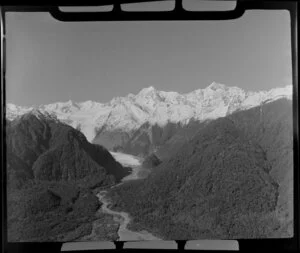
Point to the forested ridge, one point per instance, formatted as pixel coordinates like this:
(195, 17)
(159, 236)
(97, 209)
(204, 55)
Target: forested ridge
(232, 180)
(51, 172)
(151, 161)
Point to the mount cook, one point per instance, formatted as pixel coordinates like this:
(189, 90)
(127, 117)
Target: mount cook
(140, 123)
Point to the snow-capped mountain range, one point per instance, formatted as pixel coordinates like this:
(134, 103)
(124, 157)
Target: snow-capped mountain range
(155, 107)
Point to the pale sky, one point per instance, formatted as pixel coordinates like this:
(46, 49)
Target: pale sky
(50, 61)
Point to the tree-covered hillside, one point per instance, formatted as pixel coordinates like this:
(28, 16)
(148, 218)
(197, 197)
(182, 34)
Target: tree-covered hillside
(51, 171)
(151, 161)
(232, 180)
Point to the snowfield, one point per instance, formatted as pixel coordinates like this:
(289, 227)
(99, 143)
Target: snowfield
(129, 113)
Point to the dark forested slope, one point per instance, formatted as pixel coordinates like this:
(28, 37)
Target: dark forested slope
(271, 126)
(232, 180)
(151, 161)
(51, 171)
(52, 150)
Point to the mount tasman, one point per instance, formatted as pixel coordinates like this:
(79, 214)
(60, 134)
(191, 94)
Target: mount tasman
(142, 123)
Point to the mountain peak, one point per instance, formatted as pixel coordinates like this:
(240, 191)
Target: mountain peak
(88, 104)
(70, 103)
(147, 90)
(155, 107)
(216, 86)
(36, 112)
(42, 115)
(150, 88)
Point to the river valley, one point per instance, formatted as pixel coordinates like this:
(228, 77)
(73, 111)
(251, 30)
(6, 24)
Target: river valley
(120, 217)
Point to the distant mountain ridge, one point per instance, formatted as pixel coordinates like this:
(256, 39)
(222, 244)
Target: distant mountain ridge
(127, 122)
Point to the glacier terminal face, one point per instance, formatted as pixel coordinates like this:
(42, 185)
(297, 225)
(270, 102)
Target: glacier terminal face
(153, 107)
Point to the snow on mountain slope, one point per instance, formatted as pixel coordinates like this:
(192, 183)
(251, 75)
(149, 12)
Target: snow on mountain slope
(125, 159)
(154, 107)
(13, 111)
